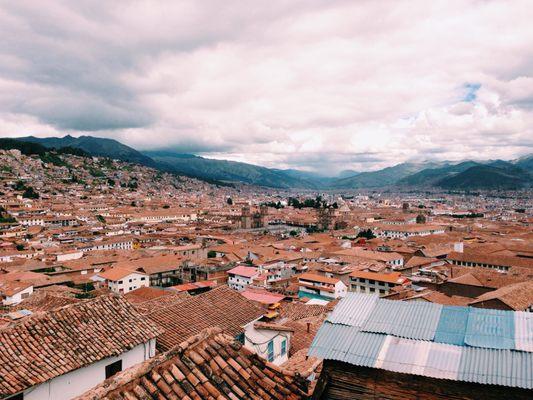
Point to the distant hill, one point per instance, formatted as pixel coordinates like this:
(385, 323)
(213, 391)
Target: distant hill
(526, 163)
(430, 176)
(499, 175)
(384, 177)
(223, 170)
(95, 146)
(347, 173)
(448, 175)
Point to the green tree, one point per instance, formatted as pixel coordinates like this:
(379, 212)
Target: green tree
(367, 234)
(29, 193)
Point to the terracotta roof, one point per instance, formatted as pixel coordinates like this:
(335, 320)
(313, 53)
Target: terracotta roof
(518, 296)
(262, 295)
(393, 277)
(220, 306)
(115, 274)
(241, 270)
(210, 365)
(12, 288)
(416, 261)
(146, 293)
(317, 278)
(149, 306)
(492, 259)
(45, 301)
(297, 310)
(47, 345)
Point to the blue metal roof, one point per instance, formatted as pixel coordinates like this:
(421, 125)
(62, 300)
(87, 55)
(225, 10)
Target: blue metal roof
(452, 325)
(346, 343)
(490, 328)
(459, 343)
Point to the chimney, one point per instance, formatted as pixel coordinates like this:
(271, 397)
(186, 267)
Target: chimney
(458, 247)
(308, 327)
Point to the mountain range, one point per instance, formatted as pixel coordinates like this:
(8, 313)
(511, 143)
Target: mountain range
(466, 175)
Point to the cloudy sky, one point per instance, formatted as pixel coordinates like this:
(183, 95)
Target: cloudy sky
(318, 85)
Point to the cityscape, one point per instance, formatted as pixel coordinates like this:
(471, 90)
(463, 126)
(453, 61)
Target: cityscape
(237, 201)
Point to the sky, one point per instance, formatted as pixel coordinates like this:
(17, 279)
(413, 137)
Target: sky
(319, 85)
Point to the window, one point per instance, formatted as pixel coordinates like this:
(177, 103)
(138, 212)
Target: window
(284, 347)
(131, 280)
(113, 369)
(120, 282)
(270, 350)
(143, 278)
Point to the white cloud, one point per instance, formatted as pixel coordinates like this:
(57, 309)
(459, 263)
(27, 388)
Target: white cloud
(326, 85)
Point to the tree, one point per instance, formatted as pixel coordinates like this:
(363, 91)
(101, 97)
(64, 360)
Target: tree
(211, 254)
(367, 234)
(29, 193)
(420, 219)
(20, 247)
(229, 201)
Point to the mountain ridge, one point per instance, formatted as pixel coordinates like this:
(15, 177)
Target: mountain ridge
(492, 174)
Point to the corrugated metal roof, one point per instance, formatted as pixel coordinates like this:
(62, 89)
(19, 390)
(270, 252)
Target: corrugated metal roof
(443, 361)
(490, 329)
(353, 309)
(496, 367)
(452, 325)
(346, 343)
(523, 331)
(469, 344)
(414, 320)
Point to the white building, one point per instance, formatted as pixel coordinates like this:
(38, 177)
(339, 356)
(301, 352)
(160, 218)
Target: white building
(121, 280)
(374, 282)
(13, 293)
(241, 277)
(320, 285)
(269, 341)
(92, 341)
(406, 231)
(113, 244)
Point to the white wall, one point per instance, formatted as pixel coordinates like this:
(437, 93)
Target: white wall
(238, 282)
(70, 256)
(77, 382)
(261, 337)
(18, 297)
(126, 286)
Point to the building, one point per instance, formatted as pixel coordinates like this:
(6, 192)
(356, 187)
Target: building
(112, 244)
(269, 341)
(392, 259)
(240, 277)
(491, 261)
(121, 280)
(377, 348)
(67, 351)
(209, 365)
(514, 297)
(321, 286)
(221, 306)
(375, 282)
(12, 293)
(407, 231)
